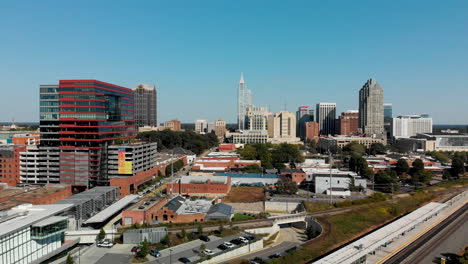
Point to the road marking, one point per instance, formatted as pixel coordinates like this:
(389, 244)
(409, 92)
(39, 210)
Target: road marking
(418, 235)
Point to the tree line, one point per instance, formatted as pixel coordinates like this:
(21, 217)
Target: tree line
(168, 139)
(272, 155)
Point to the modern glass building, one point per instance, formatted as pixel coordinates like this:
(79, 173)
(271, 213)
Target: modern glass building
(33, 233)
(145, 100)
(371, 110)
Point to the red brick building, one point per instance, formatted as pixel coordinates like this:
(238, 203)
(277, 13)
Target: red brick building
(348, 123)
(34, 195)
(9, 164)
(312, 130)
(26, 139)
(227, 163)
(174, 125)
(227, 147)
(296, 175)
(209, 186)
(144, 211)
(181, 210)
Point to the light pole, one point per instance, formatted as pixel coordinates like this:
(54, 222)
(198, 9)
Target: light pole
(170, 256)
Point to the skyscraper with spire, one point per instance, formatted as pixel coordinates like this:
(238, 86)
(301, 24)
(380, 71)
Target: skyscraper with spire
(244, 100)
(371, 108)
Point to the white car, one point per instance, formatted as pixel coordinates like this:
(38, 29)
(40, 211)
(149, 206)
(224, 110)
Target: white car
(208, 252)
(228, 244)
(243, 240)
(105, 243)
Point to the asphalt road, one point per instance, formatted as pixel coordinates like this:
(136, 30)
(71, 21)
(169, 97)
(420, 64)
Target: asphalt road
(265, 253)
(191, 253)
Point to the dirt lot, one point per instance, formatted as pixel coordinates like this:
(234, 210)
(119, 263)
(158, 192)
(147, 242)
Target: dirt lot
(245, 195)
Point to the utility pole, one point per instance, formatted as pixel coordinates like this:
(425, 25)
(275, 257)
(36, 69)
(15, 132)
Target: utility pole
(172, 170)
(331, 162)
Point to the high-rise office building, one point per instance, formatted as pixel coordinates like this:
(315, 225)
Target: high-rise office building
(201, 126)
(256, 118)
(371, 110)
(348, 123)
(282, 125)
(78, 119)
(410, 125)
(244, 100)
(220, 127)
(325, 116)
(145, 100)
(303, 115)
(388, 111)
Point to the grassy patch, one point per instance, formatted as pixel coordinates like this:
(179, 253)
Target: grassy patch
(312, 207)
(242, 217)
(245, 195)
(139, 260)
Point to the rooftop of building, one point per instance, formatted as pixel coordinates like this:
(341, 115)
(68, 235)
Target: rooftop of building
(27, 214)
(291, 171)
(180, 151)
(137, 206)
(87, 195)
(247, 175)
(221, 208)
(132, 144)
(112, 209)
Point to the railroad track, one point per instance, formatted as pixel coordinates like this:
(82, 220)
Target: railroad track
(426, 241)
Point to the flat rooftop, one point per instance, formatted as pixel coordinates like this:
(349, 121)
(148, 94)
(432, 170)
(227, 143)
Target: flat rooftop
(112, 209)
(204, 179)
(87, 195)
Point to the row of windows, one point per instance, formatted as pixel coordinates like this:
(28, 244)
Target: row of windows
(49, 109)
(49, 96)
(84, 116)
(48, 90)
(49, 103)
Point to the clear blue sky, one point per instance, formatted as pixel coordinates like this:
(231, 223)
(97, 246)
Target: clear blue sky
(291, 52)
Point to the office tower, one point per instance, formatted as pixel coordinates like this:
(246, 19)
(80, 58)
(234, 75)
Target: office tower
(145, 100)
(325, 116)
(303, 115)
(75, 133)
(312, 130)
(256, 118)
(210, 127)
(244, 100)
(201, 126)
(410, 125)
(220, 127)
(282, 125)
(388, 111)
(371, 110)
(174, 125)
(348, 123)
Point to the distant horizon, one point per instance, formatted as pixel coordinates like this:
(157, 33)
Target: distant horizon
(37, 123)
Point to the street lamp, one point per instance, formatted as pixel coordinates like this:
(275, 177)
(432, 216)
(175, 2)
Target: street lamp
(170, 256)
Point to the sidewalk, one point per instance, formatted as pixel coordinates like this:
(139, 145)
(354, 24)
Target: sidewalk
(385, 253)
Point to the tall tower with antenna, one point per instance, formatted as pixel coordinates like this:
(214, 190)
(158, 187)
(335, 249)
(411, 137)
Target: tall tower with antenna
(244, 100)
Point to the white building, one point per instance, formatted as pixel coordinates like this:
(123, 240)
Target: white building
(201, 126)
(340, 183)
(410, 125)
(325, 116)
(33, 233)
(256, 118)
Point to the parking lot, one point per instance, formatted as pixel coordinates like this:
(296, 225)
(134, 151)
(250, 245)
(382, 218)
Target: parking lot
(190, 249)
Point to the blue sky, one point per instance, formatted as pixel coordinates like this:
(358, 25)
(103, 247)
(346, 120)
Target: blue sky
(292, 53)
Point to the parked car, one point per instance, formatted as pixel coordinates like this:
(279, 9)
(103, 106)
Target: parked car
(276, 255)
(147, 203)
(153, 199)
(135, 249)
(228, 244)
(204, 238)
(222, 247)
(105, 243)
(236, 241)
(257, 260)
(184, 260)
(243, 240)
(155, 253)
(208, 252)
(141, 207)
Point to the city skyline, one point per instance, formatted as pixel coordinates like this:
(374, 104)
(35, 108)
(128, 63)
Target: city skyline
(303, 60)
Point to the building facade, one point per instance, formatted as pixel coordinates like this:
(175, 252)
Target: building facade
(312, 131)
(410, 125)
(10, 164)
(371, 109)
(201, 126)
(341, 141)
(256, 118)
(208, 186)
(303, 115)
(325, 116)
(145, 104)
(282, 125)
(248, 137)
(78, 119)
(348, 123)
(220, 128)
(174, 125)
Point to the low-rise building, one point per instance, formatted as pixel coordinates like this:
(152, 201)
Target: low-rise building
(341, 141)
(208, 186)
(143, 212)
(247, 137)
(26, 139)
(296, 175)
(33, 233)
(220, 211)
(10, 164)
(340, 183)
(181, 210)
(174, 125)
(35, 195)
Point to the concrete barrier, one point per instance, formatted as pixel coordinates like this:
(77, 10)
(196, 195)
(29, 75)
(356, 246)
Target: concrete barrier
(235, 252)
(255, 208)
(265, 230)
(89, 236)
(283, 207)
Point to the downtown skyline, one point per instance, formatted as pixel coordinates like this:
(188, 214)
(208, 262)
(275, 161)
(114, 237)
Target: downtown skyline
(192, 53)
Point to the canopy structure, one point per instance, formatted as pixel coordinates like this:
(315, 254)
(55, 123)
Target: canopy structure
(112, 209)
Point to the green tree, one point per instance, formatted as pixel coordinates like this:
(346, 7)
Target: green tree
(144, 250)
(423, 176)
(401, 166)
(286, 186)
(166, 240)
(354, 148)
(457, 168)
(418, 165)
(439, 156)
(311, 232)
(385, 182)
(183, 234)
(70, 260)
(202, 247)
(446, 175)
(221, 228)
(377, 148)
(249, 152)
(102, 234)
(200, 229)
(254, 168)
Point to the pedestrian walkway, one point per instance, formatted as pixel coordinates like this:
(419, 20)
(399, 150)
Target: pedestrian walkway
(386, 252)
